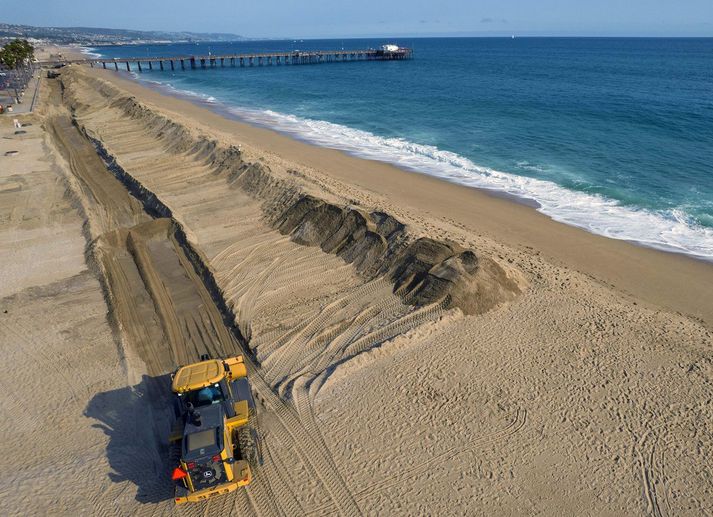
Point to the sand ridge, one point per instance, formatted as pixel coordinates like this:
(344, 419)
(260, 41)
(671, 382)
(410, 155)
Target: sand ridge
(137, 264)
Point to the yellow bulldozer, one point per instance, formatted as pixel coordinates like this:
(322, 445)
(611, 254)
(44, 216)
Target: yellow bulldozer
(215, 447)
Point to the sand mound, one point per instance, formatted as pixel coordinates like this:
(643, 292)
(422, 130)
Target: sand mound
(423, 271)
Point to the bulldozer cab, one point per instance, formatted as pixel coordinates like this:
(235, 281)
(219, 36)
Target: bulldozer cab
(212, 382)
(213, 394)
(217, 443)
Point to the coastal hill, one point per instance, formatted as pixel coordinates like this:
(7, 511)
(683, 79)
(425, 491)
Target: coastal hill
(101, 36)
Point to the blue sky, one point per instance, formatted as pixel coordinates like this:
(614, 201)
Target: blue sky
(353, 18)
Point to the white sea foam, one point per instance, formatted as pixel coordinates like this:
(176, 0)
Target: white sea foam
(670, 231)
(525, 165)
(179, 92)
(90, 52)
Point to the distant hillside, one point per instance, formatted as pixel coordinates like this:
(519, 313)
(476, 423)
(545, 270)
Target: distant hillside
(99, 36)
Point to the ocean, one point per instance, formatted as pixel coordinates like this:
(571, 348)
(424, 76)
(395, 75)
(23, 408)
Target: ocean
(613, 135)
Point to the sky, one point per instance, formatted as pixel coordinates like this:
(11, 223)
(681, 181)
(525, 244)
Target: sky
(377, 18)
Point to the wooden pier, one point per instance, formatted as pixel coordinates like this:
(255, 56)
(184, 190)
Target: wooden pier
(311, 57)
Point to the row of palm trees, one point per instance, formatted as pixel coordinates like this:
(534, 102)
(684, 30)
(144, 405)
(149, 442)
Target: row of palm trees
(16, 67)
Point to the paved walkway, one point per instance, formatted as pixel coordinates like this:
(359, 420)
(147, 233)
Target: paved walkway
(28, 100)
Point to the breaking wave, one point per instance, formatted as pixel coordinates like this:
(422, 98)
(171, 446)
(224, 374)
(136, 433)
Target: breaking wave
(90, 52)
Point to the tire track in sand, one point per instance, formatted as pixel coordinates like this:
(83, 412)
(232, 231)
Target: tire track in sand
(314, 454)
(652, 473)
(672, 435)
(287, 350)
(274, 469)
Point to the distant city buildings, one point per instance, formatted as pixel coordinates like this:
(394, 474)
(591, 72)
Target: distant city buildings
(97, 36)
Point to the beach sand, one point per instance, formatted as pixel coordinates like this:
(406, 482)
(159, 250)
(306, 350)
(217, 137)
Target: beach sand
(416, 347)
(50, 52)
(58, 349)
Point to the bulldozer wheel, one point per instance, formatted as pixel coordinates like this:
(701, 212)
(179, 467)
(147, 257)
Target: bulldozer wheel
(177, 411)
(174, 454)
(248, 445)
(258, 446)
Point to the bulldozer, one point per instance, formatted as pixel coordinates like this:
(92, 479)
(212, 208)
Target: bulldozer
(214, 444)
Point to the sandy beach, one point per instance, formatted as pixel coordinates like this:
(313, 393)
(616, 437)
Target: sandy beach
(49, 52)
(416, 347)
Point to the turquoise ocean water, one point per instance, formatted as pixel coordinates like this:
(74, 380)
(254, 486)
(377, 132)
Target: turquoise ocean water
(611, 135)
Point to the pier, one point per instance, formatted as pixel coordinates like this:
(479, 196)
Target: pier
(173, 63)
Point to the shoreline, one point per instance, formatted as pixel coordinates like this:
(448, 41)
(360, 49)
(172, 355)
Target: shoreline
(638, 222)
(224, 111)
(672, 281)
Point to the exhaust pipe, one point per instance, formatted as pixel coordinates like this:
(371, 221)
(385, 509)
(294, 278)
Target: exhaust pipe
(193, 416)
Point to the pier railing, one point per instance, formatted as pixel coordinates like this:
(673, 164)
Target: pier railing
(242, 60)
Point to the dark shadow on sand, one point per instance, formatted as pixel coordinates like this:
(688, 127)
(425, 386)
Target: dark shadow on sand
(137, 422)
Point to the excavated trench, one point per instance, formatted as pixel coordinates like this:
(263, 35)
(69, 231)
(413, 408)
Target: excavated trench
(158, 294)
(153, 276)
